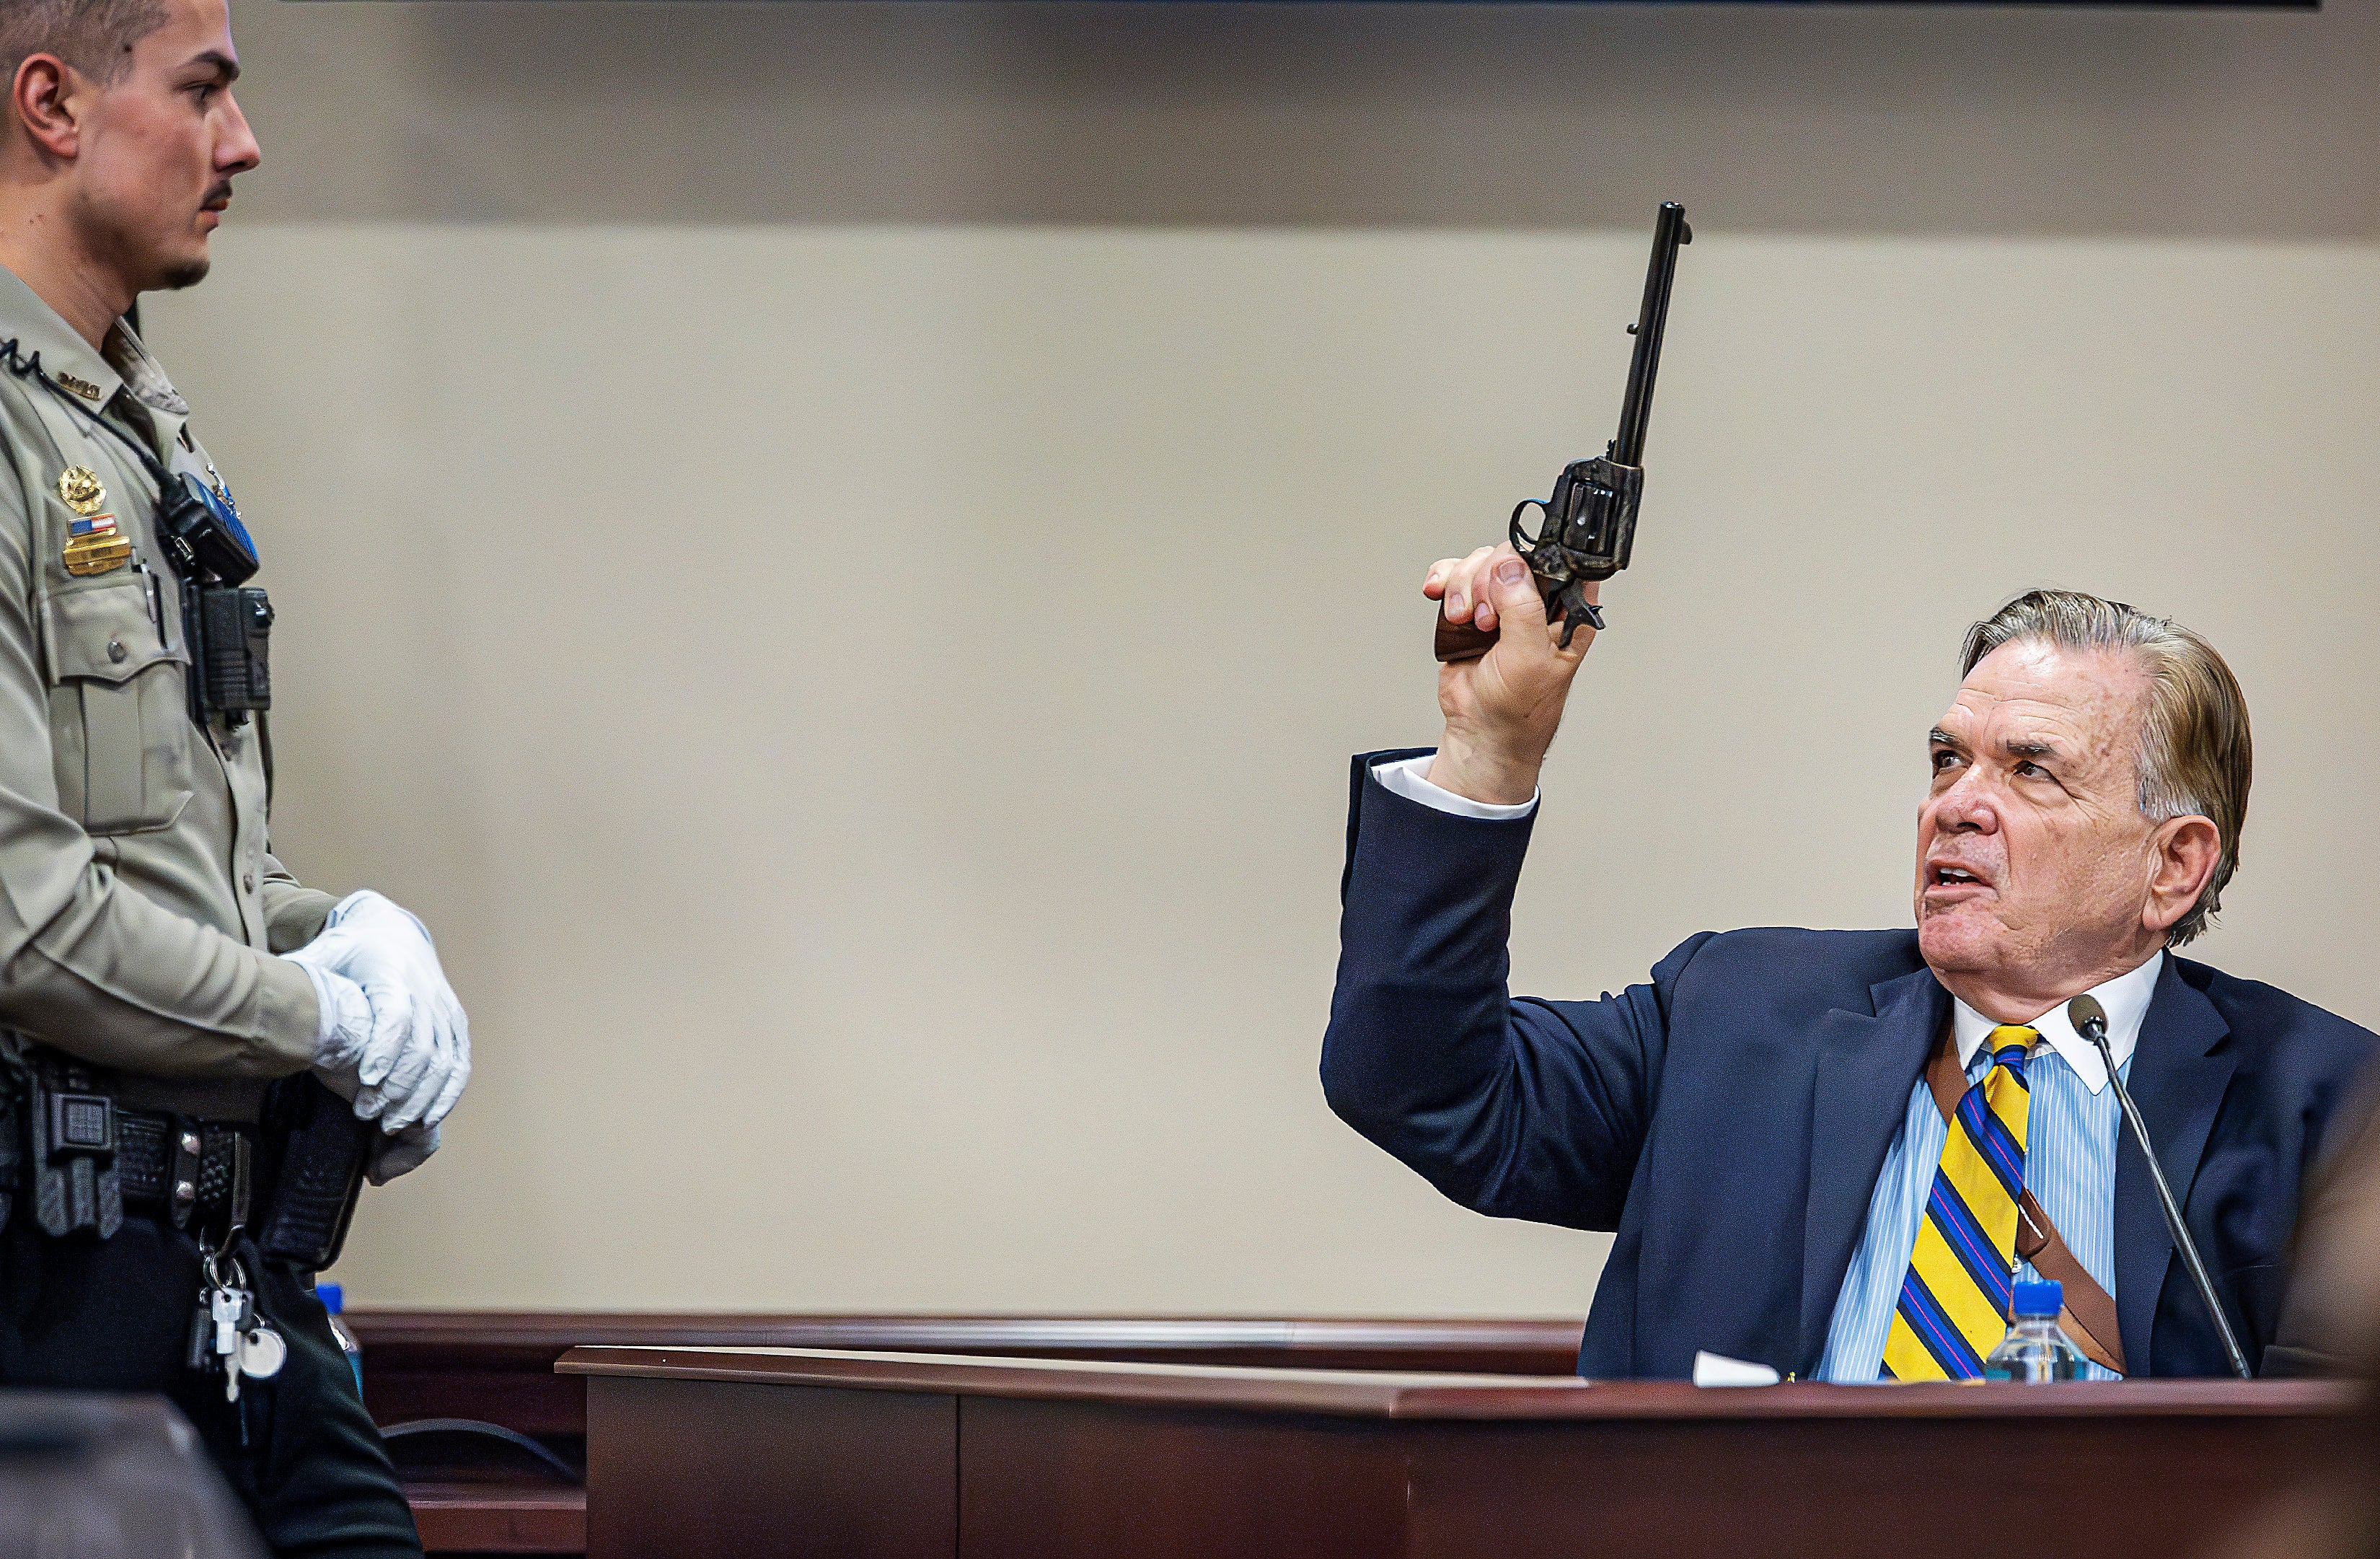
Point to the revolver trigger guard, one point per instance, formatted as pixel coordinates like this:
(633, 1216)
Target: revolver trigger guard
(1522, 543)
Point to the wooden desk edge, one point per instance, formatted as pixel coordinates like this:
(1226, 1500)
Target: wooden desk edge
(499, 1518)
(398, 1338)
(445, 1332)
(1366, 1394)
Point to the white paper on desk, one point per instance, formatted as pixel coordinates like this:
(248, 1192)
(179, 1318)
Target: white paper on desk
(1717, 1369)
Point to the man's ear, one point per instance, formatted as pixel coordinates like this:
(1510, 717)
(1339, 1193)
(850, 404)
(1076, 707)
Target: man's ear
(46, 96)
(2185, 852)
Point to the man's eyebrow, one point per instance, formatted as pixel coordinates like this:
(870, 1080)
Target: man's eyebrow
(1938, 737)
(2031, 748)
(226, 69)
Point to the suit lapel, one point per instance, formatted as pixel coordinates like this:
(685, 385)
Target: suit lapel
(1866, 1067)
(2179, 1072)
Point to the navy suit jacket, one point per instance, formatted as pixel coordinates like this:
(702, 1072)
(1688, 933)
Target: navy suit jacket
(1729, 1119)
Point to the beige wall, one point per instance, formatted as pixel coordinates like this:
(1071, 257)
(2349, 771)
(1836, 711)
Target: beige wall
(837, 556)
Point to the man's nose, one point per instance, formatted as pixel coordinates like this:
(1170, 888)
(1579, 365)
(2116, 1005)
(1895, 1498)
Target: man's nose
(1966, 807)
(237, 150)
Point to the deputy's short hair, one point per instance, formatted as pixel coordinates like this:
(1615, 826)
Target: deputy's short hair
(94, 36)
(2195, 758)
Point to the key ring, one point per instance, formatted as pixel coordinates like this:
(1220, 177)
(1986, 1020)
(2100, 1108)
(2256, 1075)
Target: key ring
(212, 1264)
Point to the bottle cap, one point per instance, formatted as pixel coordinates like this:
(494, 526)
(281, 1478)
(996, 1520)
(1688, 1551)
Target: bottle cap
(334, 1297)
(2039, 1298)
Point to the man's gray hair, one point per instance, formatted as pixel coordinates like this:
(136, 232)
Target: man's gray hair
(94, 36)
(2195, 758)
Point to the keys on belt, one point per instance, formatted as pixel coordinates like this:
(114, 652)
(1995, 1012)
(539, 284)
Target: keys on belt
(227, 1335)
(82, 1158)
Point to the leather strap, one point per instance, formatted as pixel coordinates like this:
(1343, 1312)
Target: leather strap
(2090, 1313)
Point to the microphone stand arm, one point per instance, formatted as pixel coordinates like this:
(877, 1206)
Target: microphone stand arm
(2097, 1034)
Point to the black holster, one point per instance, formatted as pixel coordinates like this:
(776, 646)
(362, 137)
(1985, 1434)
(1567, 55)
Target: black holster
(315, 1151)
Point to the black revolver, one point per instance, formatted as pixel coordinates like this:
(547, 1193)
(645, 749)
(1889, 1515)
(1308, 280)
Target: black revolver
(1590, 520)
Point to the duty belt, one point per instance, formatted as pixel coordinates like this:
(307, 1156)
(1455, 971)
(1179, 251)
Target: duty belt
(71, 1159)
(79, 1159)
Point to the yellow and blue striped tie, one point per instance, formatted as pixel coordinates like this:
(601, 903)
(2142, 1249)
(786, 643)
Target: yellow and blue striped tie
(1955, 1301)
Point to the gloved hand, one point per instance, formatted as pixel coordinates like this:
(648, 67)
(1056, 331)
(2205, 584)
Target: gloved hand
(401, 1152)
(346, 1031)
(395, 1040)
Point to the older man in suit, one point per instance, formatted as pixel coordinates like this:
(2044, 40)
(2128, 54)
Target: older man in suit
(1834, 1153)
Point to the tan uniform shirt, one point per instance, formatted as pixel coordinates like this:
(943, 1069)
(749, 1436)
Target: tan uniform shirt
(139, 909)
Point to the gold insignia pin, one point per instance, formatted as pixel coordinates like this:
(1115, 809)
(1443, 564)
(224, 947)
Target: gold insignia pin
(78, 485)
(83, 388)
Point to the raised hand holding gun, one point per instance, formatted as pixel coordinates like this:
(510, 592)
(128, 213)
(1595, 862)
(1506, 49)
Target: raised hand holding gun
(1501, 708)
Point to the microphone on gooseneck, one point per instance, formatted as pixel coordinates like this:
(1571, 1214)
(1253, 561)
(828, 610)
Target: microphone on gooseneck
(2090, 1020)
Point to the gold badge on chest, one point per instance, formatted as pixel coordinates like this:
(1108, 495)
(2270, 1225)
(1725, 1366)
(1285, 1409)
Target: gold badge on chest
(94, 544)
(78, 486)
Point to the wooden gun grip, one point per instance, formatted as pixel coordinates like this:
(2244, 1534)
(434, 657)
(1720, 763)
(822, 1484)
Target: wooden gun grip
(1461, 641)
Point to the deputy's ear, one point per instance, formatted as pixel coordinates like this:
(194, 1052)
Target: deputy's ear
(46, 94)
(2187, 850)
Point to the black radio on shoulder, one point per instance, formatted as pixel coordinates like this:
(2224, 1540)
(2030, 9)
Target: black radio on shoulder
(226, 623)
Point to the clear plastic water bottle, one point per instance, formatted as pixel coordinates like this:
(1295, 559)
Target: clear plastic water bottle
(2036, 1348)
(335, 1299)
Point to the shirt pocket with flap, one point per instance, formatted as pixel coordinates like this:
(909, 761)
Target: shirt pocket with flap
(120, 727)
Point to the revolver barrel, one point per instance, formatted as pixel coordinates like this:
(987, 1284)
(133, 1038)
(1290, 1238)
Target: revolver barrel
(1669, 231)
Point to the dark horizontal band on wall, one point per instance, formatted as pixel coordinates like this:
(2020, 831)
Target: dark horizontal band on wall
(1852, 120)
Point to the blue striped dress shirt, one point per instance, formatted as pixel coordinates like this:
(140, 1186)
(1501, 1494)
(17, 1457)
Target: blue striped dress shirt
(2070, 1166)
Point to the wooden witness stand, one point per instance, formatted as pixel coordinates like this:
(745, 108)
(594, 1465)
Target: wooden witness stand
(498, 1367)
(984, 1436)
(705, 1452)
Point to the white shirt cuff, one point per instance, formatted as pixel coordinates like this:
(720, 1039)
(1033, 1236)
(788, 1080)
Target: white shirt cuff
(1406, 777)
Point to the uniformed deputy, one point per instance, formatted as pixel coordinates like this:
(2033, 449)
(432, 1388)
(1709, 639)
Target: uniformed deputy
(158, 970)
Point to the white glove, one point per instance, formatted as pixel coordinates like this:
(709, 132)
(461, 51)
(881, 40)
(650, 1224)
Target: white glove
(401, 1152)
(347, 1031)
(393, 1038)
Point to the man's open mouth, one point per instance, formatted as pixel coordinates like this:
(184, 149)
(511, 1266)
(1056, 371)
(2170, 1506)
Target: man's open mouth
(1941, 876)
